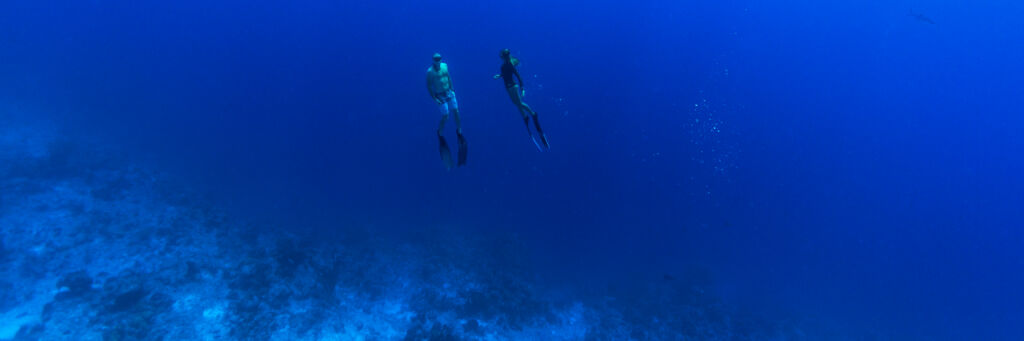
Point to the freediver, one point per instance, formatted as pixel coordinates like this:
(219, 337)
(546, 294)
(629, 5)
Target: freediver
(439, 85)
(516, 91)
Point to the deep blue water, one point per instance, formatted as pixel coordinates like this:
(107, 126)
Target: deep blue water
(842, 160)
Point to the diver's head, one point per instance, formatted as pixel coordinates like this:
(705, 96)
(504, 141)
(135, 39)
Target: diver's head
(437, 59)
(506, 54)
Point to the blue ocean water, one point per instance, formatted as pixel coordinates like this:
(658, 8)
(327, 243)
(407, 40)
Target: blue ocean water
(754, 170)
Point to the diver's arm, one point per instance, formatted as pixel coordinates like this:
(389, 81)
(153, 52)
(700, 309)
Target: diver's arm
(448, 73)
(430, 88)
(522, 86)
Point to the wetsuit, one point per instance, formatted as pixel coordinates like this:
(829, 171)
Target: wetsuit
(507, 72)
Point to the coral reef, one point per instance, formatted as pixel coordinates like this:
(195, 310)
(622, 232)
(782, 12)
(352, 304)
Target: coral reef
(95, 248)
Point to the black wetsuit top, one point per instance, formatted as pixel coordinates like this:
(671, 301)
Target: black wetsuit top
(507, 72)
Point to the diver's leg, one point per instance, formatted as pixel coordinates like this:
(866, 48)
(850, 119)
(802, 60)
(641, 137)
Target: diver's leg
(458, 122)
(458, 133)
(463, 145)
(527, 113)
(526, 122)
(444, 117)
(446, 154)
(454, 107)
(526, 107)
(536, 122)
(518, 100)
(513, 94)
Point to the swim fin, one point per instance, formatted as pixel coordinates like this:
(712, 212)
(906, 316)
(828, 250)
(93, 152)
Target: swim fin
(535, 143)
(543, 137)
(446, 153)
(463, 145)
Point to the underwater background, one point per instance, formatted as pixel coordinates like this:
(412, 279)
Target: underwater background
(727, 170)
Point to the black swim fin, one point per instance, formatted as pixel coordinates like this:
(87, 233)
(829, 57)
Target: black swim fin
(446, 153)
(535, 144)
(543, 137)
(463, 145)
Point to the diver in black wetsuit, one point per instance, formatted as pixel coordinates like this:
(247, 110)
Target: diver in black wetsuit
(516, 93)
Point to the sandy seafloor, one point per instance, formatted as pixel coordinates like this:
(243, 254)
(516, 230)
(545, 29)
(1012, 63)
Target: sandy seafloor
(97, 248)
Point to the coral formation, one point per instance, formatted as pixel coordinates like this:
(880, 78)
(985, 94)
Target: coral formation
(95, 248)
